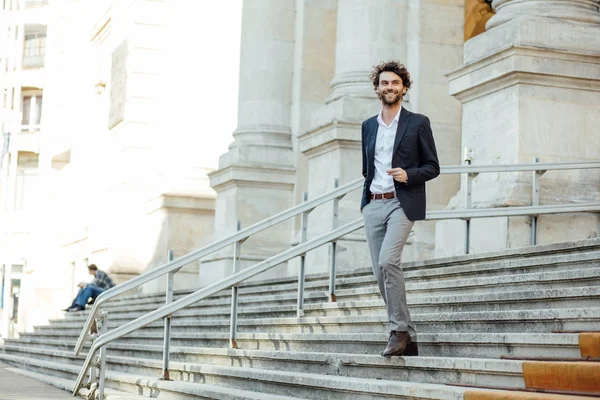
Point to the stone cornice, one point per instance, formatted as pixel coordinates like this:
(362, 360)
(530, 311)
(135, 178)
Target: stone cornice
(568, 10)
(256, 176)
(182, 202)
(336, 134)
(535, 32)
(515, 65)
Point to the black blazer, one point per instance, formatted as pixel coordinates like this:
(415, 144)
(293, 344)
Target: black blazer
(414, 151)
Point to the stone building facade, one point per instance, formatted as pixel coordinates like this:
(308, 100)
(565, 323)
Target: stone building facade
(114, 173)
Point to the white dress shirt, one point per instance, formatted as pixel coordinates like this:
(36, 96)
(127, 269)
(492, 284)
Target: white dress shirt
(384, 147)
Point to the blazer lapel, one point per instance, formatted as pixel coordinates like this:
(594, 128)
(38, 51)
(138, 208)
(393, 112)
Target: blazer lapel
(402, 125)
(372, 135)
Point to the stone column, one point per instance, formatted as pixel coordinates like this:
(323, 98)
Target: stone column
(255, 178)
(530, 87)
(367, 33)
(435, 38)
(314, 67)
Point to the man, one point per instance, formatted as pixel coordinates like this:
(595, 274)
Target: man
(100, 283)
(399, 156)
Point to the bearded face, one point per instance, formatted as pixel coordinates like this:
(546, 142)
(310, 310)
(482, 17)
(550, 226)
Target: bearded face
(391, 97)
(390, 89)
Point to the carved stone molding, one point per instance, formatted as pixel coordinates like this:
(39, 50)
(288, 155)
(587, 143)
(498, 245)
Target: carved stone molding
(571, 10)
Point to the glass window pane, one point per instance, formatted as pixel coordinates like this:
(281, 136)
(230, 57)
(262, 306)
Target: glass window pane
(26, 110)
(38, 112)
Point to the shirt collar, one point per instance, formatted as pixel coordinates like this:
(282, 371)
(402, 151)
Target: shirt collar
(396, 118)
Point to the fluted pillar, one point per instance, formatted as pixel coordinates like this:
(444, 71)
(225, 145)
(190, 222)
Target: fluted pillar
(266, 66)
(367, 33)
(255, 178)
(530, 87)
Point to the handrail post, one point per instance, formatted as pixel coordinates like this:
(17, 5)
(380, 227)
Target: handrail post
(237, 249)
(102, 356)
(468, 158)
(469, 203)
(535, 201)
(167, 333)
(334, 225)
(302, 270)
(92, 378)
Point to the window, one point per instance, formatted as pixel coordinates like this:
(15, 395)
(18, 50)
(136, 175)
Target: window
(27, 185)
(34, 50)
(32, 112)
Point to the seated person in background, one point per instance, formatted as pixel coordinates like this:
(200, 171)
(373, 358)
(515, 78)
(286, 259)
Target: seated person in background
(100, 283)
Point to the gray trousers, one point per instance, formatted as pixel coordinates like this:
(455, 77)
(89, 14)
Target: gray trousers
(387, 229)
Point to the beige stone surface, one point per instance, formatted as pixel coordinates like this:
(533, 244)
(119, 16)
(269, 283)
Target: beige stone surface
(529, 88)
(89, 199)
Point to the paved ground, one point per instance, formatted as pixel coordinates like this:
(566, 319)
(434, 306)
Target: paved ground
(14, 386)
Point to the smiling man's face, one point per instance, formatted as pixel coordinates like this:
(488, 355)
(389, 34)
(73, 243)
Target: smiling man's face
(390, 89)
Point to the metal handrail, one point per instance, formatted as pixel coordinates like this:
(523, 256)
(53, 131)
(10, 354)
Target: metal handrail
(512, 211)
(212, 289)
(207, 250)
(332, 235)
(292, 212)
(471, 169)
(278, 259)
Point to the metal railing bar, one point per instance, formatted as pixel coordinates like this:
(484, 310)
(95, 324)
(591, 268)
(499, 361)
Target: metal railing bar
(292, 212)
(212, 289)
(461, 169)
(512, 211)
(306, 207)
(301, 249)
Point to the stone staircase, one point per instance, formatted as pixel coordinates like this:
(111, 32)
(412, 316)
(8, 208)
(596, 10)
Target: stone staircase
(479, 318)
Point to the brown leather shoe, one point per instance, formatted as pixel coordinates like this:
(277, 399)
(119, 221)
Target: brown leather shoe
(397, 344)
(412, 350)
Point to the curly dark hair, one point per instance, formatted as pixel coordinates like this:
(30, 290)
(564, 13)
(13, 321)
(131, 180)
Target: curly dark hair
(390, 66)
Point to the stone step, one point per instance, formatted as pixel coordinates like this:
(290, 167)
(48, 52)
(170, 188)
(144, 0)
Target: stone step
(562, 298)
(410, 369)
(515, 266)
(176, 390)
(481, 345)
(541, 280)
(267, 383)
(589, 277)
(529, 321)
(137, 386)
(142, 307)
(471, 371)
